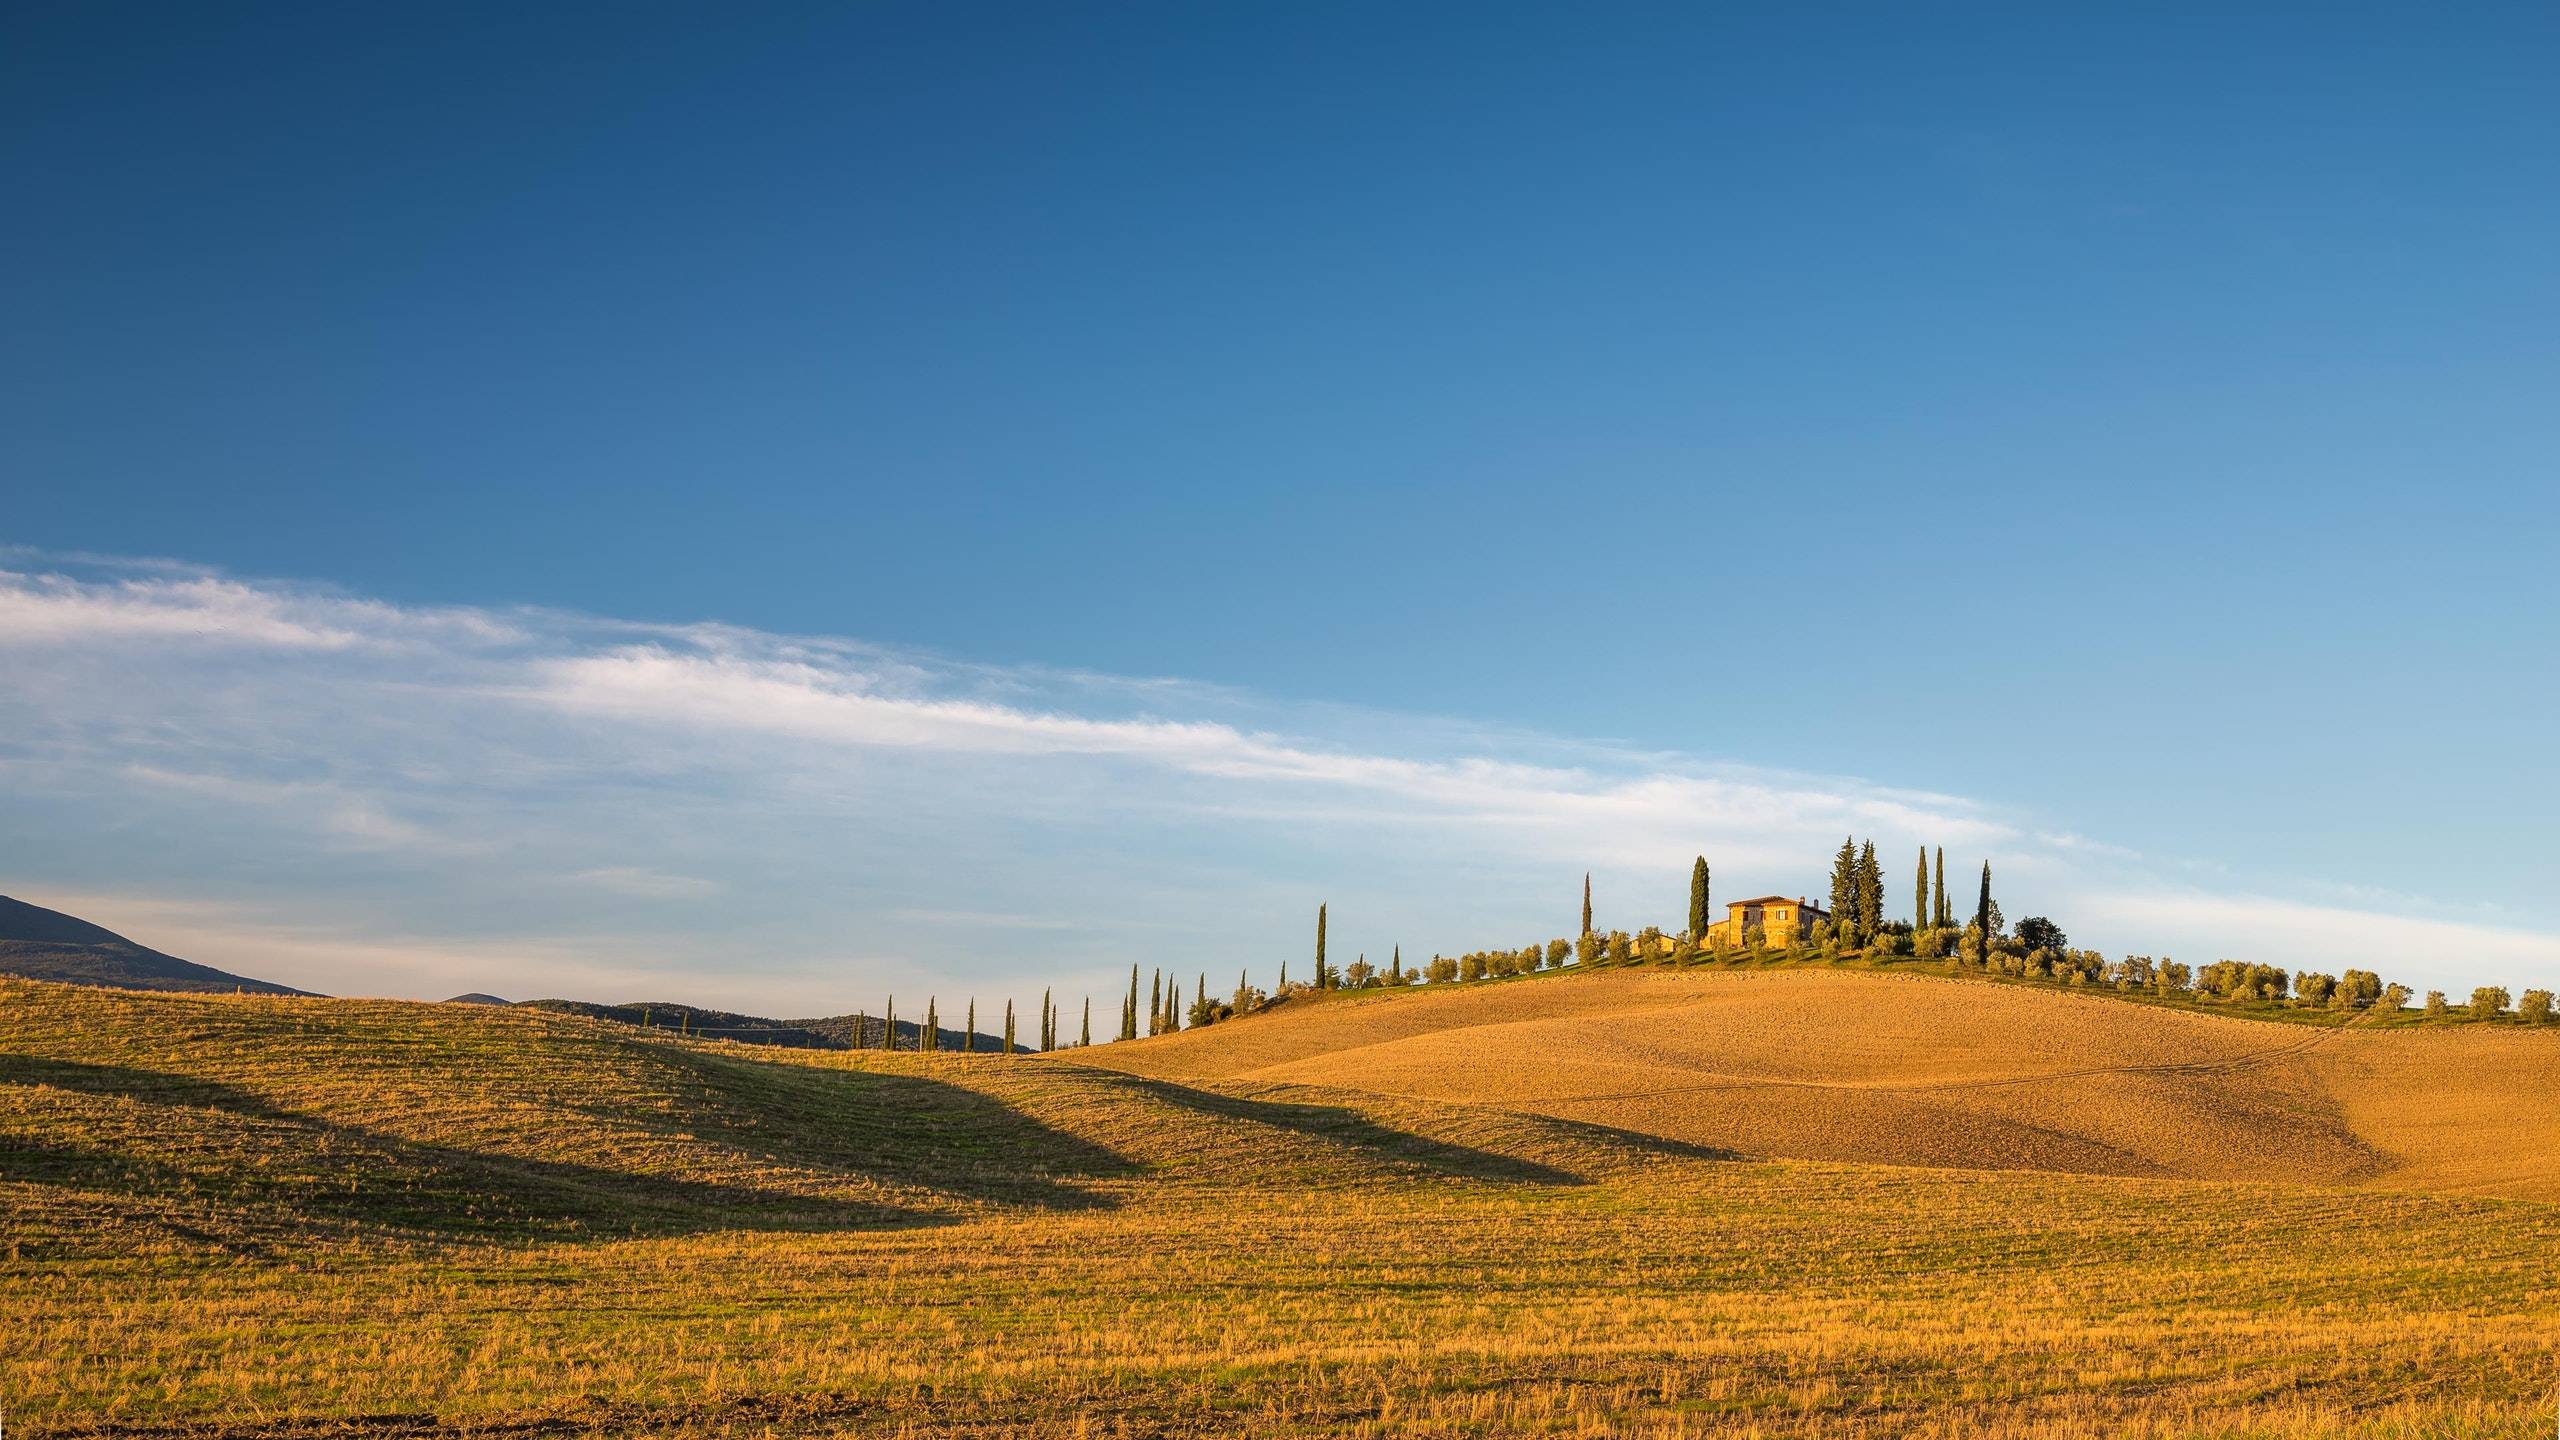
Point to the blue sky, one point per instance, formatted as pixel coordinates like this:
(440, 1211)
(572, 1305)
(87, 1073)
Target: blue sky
(2133, 428)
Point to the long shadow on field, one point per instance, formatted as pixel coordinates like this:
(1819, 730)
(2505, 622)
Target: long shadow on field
(197, 1152)
(1346, 1127)
(900, 1128)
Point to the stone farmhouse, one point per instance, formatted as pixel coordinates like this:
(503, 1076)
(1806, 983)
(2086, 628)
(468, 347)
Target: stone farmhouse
(1780, 920)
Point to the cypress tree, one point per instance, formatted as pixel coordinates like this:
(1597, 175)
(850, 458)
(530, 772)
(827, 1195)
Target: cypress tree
(1129, 1010)
(889, 1025)
(930, 1040)
(969, 1029)
(861, 1029)
(1088, 1022)
(1939, 915)
(1048, 1025)
(1586, 902)
(1323, 978)
(1844, 884)
(1155, 1006)
(1008, 1027)
(1982, 909)
(1920, 894)
(1395, 965)
(1870, 893)
(1698, 899)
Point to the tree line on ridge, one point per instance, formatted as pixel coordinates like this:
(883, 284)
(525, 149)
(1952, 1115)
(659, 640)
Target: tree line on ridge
(2036, 949)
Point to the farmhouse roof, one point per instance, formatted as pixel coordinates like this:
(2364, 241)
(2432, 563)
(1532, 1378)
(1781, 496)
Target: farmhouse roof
(1776, 900)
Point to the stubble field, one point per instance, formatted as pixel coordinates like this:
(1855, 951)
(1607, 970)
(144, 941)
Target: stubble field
(283, 1217)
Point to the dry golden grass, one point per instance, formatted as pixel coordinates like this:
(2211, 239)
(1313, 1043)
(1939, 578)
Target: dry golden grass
(1928, 1070)
(320, 1218)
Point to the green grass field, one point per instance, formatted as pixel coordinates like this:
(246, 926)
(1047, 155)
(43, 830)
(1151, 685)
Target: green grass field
(302, 1217)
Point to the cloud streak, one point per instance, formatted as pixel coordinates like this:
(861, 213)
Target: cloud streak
(38, 610)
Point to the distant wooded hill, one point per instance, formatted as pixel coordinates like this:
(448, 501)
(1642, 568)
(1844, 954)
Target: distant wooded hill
(827, 1032)
(41, 944)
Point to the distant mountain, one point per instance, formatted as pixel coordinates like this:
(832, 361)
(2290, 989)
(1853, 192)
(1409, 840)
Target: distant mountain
(41, 944)
(476, 997)
(830, 1032)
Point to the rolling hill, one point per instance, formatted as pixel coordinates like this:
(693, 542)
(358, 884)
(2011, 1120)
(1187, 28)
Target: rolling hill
(254, 1119)
(41, 944)
(1505, 1209)
(1926, 1070)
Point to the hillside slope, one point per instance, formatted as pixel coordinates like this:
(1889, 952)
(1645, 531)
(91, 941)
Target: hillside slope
(294, 1219)
(41, 944)
(1925, 1070)
(137, 1122)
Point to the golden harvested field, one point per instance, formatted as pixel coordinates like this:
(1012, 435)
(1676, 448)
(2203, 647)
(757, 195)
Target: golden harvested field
(1920, 1069)
(297, 1218)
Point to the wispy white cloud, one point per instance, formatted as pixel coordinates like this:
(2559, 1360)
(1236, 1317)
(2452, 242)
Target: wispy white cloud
(645, 884)
(457, 784)
(982, 920)
(324, 807)
(53, 609)
(805, 700)
(2415, 948)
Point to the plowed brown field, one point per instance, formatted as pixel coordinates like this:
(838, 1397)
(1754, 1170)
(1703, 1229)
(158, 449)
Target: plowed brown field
(1927, 1070)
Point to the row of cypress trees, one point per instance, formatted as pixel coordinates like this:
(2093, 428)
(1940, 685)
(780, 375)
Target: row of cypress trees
(928, 1036)
(1857, 891)
(1166, 1014)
